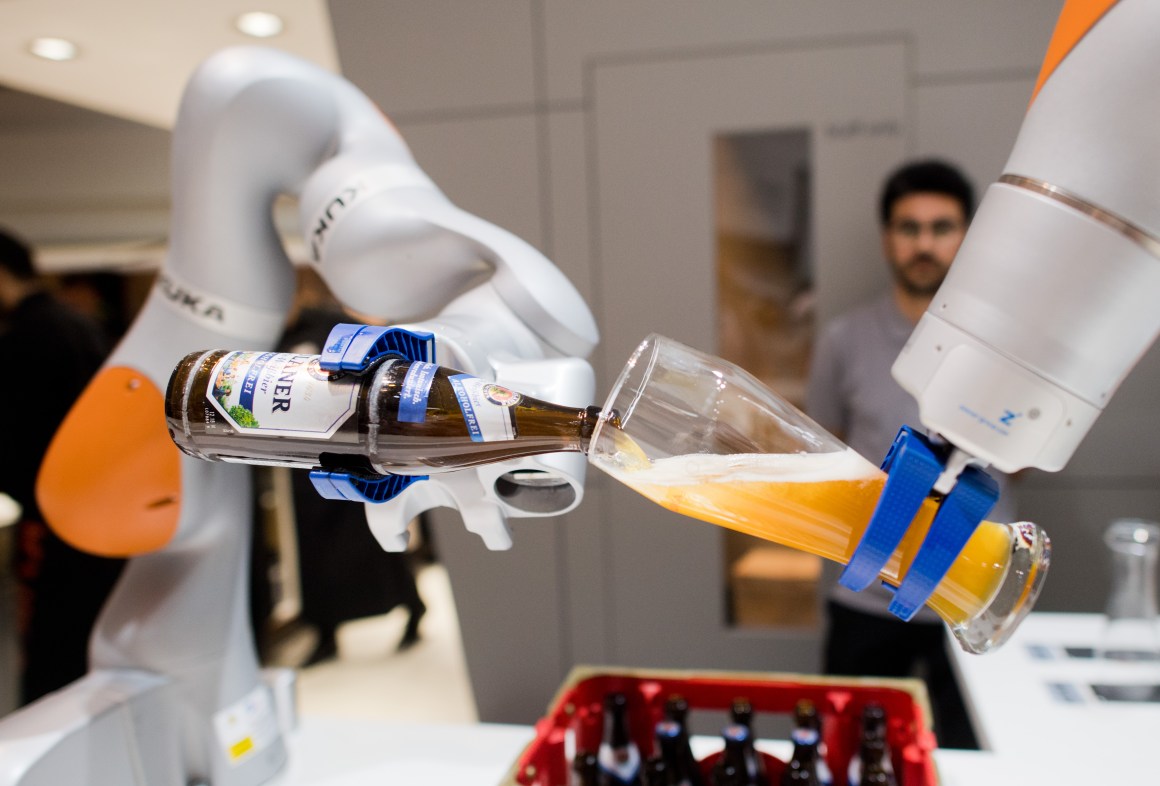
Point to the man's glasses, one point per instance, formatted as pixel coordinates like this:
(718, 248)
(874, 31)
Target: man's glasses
(940, 229)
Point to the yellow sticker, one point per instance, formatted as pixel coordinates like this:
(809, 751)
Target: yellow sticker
(241, 748)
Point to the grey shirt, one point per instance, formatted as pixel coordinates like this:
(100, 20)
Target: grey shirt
(852, 393)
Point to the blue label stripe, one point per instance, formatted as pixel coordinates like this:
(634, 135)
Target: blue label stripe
(416, 390)
(250, 383)
(466, 407)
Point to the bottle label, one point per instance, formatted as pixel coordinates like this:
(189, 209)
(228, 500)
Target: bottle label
(281, 394)
(416, 390)
(621, 765)
(802, 736)
(487, 408)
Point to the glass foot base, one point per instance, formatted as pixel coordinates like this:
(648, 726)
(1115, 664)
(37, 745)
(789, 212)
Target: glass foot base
(1030, 558)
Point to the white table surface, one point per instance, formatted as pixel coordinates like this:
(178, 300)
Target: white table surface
(1023, 720)
(350, 752)
(1029, 734)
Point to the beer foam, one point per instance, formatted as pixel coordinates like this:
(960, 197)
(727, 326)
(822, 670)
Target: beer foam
(749, 468)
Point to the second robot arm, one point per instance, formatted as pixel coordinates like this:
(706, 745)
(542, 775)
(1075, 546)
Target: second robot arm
(1052, 298)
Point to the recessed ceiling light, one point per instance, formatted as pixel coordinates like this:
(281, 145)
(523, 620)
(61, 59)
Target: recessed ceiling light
(259, 24)
(53, 48)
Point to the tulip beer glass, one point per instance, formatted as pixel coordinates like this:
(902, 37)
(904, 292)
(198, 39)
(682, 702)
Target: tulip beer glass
(706, 439)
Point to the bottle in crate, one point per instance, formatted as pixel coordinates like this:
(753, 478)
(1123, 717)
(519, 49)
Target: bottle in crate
(680, 768)
(656, 772)
(677, 711)
(872, 764)
(805, 714)
(619, 757)
(733, 768)
(802, 768)
(585, 769)
(741, 712)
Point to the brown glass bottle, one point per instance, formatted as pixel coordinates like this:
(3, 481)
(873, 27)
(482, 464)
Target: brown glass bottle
(872, 764)
(873, 769)
(619, 756)
(733, 767)
(741, 712)
(677, 711)
(399, 417)
(585, 769)
(802, 768)
(805, 714)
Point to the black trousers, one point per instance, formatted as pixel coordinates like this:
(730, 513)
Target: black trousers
(860, 644)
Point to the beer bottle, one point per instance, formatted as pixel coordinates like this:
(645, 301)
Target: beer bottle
(681, 769)
(619, 756)
(805, 714)
(677, 711)
(741, 712)
(873, 769)
(656, 772)
(872, 764)
(585, 769)
(732, 769)
(802, 767)
(399, 417)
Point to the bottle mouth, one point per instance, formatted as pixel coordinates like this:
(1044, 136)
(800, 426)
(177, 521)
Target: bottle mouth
(1030, 558)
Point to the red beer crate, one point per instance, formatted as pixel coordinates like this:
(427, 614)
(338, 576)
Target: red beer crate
(575, 720)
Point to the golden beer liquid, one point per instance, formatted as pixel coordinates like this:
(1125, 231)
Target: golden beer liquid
(820, 503)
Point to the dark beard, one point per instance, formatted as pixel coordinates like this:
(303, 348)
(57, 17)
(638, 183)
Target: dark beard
(916, 288)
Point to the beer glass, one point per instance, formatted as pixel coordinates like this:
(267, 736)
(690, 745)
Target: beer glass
(704, 438)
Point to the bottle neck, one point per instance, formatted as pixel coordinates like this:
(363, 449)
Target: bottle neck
(588, 423)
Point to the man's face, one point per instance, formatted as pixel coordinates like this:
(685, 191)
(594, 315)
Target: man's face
(921, 239)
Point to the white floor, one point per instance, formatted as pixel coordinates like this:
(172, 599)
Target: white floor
(427, 683)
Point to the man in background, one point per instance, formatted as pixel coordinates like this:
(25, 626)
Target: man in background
(50, 352)
(924, 210)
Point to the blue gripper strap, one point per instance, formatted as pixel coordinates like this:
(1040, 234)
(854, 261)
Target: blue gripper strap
(353, 487)
(958, 516)
(913, 469)
(356, 347)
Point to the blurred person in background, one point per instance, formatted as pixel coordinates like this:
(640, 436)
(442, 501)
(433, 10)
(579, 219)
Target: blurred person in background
(924, 209)
(51, 352)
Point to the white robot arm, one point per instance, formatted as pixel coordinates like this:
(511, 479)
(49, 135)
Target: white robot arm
(174, 695)
(389, 243)
(1052, 298)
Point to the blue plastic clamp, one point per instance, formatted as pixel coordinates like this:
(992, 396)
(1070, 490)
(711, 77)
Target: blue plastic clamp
(913, 465)
(353, 487)
(958, 516)
(356, 347)
(912, 468)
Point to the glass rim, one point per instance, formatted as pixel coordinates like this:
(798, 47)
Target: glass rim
(649, 343)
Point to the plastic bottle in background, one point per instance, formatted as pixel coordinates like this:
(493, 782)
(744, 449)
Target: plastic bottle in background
(1132, 628)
